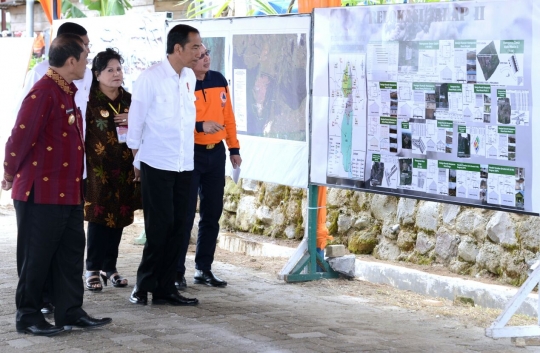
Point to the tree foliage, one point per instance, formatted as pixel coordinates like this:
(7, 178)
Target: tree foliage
(104, 7)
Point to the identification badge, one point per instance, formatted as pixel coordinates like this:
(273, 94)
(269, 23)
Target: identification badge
(122, 133)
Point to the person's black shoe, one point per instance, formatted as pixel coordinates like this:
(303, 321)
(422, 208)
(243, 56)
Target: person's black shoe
(42, 328)
(180, 282)
(138, 297)
(208, 278)
(47, 309)
(88, 322)
(173, 299)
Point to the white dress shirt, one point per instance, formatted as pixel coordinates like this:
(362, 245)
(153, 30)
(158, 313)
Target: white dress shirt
(162, 118)
(81, 96)
(83, 87)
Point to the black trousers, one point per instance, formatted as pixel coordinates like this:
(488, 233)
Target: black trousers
(165, 200)
(208, 183)
(102, 244)
(50, 241)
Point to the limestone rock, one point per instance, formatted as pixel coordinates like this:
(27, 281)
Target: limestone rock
(479, 226)
(424, 243)
(344, 223)
(384, 207)
(500, 229)
(274, 194)
(297, 192)
(343, 264)
(230, 205)
(459, 267)
(336, 197)
(467, 250)
(389, 232)
(406, 240)
(276, 231)
(471, 222)
(227, 221)
(386, 250)
(528, 233)
(336, 250)
(405, 211)
(231, 188)
(278, 217)
(362, 242)
(446, 245)
(427, 216)
(361, 200)
(529, 257)
(363, 221)
(264, 214)
(466, 221)
(245, 213)
(290, 231)
(250, 186)
(513, 264)
(449, 213)
(293, 210)
(489, 257)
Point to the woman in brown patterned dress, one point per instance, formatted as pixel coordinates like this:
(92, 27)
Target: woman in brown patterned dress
(111, 194)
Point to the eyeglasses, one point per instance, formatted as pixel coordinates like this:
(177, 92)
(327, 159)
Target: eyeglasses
(206, 53)
(88, 46)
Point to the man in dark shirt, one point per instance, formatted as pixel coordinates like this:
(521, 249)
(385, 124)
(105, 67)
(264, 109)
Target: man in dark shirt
(44, 165)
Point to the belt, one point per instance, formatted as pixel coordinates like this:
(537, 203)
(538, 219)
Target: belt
(210, 146)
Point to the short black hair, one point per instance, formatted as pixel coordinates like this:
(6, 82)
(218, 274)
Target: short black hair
(71, 28)
(63, 47)
(101, 60)
(179, 34)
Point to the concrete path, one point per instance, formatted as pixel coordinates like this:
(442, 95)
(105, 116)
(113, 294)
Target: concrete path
(255, 313)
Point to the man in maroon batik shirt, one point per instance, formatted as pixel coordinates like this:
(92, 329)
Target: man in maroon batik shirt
(44, 165)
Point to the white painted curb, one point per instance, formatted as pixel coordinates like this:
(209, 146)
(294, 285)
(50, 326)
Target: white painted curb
(484, 295)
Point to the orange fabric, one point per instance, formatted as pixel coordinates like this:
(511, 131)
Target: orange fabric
(322, 231)
(39, 43)
(215, 104)
(48, 9)
(306, 6)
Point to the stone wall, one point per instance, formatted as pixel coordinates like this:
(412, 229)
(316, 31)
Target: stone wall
(468, 241)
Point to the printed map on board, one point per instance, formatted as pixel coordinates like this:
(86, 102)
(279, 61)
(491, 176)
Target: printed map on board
(346, 126)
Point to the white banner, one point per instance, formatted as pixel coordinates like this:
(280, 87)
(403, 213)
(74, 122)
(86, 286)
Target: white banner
(140, 39)
(266, 61)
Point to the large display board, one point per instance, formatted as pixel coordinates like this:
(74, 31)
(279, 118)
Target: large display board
(430, 101)
(266, 61)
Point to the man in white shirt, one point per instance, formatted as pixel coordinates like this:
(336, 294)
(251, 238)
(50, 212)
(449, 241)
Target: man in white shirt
(161, 125)
(81, 100)
(37, 72)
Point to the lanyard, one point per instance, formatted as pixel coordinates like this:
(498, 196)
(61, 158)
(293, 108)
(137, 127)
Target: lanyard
(114, 110)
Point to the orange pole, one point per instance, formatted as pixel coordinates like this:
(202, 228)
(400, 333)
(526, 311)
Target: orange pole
(307, 6)
(322, 231)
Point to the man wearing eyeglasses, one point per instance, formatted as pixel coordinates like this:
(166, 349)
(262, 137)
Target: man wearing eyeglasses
(215, 122)
(81, 100)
